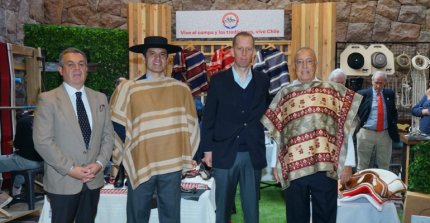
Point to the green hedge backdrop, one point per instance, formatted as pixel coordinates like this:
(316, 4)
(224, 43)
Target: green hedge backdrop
(108, 48)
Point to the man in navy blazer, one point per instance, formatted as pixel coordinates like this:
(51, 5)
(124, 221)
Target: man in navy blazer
(233, 136)
(370, 137)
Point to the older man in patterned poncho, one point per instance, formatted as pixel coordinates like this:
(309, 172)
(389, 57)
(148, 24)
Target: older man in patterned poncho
(310, 120)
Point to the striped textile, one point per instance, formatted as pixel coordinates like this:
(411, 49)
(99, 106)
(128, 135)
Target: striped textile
(7, 99)
(113, 191)
(221, 60)
(189, 66)
(162, 130)
(311, 123)
(191, 186)
(273, 62)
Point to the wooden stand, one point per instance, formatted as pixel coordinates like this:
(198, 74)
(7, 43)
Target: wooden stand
(408, 144)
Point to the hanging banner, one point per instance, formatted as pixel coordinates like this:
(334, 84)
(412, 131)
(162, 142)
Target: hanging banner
(227, 23)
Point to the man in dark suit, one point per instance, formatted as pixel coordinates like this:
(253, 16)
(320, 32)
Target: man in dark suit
(233, 136)
(74, 135)
(378, 122)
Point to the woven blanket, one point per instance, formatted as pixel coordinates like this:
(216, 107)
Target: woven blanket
(311, 122)
(113, 191)
(7, 99)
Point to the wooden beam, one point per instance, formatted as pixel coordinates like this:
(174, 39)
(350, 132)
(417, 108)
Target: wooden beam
(313, 25)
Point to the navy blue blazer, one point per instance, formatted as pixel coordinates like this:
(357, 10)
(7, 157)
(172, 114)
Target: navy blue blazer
(223, 120)
(390, 110)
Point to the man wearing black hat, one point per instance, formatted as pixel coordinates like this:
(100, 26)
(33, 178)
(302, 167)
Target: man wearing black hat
(157, 131)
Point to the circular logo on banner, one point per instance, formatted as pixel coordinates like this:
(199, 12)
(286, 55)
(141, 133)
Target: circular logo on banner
(230, 20)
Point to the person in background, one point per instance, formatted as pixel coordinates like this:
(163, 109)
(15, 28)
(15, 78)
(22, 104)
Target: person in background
(339, 76)
(310, 120)
(421, 109)
(233, 136)
(378, 123)
(157, 134)
(25, 156)
(73, 134)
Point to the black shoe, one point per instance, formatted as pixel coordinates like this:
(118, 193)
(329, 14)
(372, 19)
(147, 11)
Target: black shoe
(120, 177)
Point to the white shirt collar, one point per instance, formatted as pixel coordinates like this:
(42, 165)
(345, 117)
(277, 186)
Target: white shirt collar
(71, 91)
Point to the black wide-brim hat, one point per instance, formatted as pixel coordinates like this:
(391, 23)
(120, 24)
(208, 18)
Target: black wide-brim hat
(155, 42)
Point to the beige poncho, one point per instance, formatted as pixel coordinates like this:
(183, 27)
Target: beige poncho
(161, 126)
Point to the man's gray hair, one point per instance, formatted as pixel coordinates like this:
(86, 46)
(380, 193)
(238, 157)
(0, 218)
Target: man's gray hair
(71, 50)
(336, 73)
(379, 73)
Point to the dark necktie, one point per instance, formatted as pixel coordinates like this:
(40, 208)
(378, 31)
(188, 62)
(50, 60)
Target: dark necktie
(83, 119)
(380, 117)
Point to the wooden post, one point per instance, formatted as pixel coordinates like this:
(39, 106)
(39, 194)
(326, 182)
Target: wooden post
(32, 67)
(147, 20)
(313, 25)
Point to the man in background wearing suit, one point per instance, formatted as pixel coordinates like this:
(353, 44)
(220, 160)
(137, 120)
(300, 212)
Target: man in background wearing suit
(233, 136)
(74, 135)
(378, 122)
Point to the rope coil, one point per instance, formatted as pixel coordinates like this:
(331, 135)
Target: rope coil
(419, 86)
(425, 62)
(403, 60)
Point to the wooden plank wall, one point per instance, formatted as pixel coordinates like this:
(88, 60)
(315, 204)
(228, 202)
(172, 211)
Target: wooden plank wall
(146, 20)
(314, 25)
(28, 60)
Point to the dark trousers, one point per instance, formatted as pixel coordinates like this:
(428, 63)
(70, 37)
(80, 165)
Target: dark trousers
(81, 207)
(323, 191)
(168, 189)
(226, 182)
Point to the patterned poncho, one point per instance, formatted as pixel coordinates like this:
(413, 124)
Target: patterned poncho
(161, 128)
(311, 122)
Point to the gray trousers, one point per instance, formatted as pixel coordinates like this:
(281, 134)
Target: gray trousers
(168, 190)
(367, 142)
(226, 181)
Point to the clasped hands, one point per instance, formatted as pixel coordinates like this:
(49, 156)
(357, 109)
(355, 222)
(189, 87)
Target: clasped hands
(85, 173)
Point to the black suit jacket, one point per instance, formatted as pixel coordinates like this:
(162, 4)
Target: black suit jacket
(390, 110)
(223, 120)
